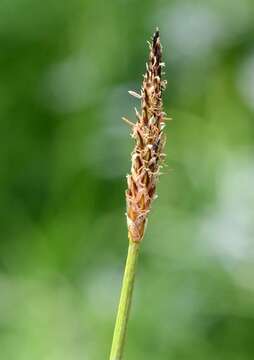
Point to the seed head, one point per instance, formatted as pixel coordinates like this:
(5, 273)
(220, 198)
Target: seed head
(148, 154)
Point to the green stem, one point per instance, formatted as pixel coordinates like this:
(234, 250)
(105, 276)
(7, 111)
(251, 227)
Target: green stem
(125, 302)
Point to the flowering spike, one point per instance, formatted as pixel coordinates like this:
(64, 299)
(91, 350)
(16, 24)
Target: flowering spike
(150, 139)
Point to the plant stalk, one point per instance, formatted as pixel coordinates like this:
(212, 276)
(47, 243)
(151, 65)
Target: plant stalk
(125, 302)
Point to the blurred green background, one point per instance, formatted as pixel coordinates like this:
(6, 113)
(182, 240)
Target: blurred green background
(65, 69)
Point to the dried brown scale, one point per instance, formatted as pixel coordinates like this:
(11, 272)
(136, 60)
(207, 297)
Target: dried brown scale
(147, 155)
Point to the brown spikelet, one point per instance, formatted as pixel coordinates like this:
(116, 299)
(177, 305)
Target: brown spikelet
(148, 133)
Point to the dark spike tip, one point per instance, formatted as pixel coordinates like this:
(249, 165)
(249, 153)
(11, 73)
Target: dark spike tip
(156, 36)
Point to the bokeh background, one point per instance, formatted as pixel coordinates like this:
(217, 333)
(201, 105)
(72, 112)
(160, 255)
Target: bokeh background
(65, 69)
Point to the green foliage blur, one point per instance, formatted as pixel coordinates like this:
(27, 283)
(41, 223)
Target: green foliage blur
(65, 69)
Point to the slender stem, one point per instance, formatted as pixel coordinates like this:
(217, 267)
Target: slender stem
(125, 302)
